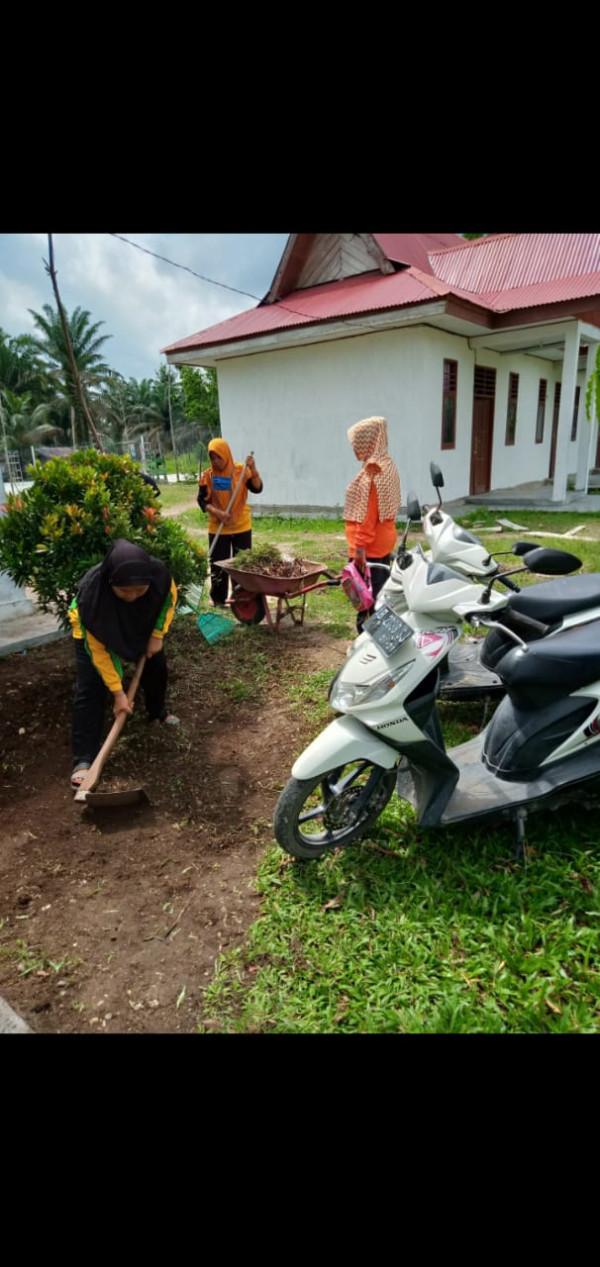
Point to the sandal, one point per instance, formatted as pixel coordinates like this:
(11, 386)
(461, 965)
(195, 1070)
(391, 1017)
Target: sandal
(169, 720)
(79, 774)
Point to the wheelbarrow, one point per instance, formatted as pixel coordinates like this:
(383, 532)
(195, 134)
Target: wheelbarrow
(252, 590)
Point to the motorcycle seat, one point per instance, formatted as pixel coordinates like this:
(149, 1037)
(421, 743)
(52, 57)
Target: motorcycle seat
(549, 601)
(564, 662)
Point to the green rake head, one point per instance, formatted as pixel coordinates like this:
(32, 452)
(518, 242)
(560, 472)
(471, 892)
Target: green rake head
(212, 626)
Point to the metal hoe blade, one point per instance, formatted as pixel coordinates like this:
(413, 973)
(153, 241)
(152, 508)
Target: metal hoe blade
(129, 796)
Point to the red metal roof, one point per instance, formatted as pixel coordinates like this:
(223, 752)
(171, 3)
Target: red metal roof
(415, 248)
(511, 261)
(501, 273)
(369, 292)
(564, 288)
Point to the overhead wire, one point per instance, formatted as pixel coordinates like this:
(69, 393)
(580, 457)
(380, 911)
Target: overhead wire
(355, 326)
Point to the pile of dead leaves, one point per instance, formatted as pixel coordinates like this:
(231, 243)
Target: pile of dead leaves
(268, 562)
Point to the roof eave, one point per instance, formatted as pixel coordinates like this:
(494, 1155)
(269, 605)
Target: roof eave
(327, 330)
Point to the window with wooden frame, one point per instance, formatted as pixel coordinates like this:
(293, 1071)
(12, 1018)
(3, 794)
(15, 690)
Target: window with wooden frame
(449, 404)
(511, 409)
(541, 411)
(575, 413)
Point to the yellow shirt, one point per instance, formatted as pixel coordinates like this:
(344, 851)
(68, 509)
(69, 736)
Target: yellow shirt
(242, 515)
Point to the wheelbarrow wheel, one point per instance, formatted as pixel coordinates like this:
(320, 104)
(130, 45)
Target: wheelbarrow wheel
(247, 608)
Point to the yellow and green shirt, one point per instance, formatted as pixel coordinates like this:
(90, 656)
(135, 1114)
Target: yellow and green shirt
(107, 664)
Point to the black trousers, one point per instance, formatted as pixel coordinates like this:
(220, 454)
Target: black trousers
(379, 577)
(225, 548)
(91, 698)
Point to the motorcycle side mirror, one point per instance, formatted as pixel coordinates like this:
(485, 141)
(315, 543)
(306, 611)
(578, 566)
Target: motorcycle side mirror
(549, 562)
(437, 479)
(523, 547)
(413, 509)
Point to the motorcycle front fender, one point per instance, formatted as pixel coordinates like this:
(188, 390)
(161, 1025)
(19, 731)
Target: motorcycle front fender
(344, 740)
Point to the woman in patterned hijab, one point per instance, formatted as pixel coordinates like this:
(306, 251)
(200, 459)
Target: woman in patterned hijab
(372, 503)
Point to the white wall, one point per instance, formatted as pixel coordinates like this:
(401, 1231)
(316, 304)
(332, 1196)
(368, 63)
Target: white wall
(294, 408)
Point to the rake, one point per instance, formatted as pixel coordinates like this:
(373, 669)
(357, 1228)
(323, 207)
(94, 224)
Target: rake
(211, 625)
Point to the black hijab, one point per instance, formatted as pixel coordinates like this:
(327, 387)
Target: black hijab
(124, 628)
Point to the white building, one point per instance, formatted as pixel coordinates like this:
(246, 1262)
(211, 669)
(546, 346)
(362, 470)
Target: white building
(477, 353)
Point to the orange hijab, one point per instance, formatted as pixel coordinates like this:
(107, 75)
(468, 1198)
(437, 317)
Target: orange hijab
(369, 440)
(232, 471)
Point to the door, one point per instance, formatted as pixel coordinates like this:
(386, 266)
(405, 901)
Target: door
(482, 431)
(557, 387)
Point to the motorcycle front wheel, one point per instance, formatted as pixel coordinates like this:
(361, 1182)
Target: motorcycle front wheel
(313, 816)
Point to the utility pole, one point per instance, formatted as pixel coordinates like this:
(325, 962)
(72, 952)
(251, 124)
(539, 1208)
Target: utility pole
(50, 269)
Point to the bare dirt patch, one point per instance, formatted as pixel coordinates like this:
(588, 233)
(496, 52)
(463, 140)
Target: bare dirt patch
(112, 920)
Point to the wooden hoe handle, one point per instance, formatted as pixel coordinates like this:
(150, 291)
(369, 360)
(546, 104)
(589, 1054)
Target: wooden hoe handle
(92, 776)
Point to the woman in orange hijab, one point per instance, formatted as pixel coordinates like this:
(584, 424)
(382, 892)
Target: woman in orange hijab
(372, 503)
(217, 484)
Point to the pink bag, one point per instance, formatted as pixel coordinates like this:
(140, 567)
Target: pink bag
(357, 587)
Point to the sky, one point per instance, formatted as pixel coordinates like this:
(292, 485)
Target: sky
(144, 303)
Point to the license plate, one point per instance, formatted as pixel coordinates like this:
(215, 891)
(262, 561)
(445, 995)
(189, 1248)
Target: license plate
(387, 629)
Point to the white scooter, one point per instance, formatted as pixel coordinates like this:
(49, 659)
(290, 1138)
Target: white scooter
(542, 741)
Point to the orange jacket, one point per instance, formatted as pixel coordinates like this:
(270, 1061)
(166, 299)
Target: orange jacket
(377, 537)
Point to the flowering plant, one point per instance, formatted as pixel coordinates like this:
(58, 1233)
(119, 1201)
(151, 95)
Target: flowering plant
(51, 533)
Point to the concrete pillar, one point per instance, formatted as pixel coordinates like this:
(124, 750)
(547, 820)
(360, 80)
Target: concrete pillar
(13, 600)
(565, 413)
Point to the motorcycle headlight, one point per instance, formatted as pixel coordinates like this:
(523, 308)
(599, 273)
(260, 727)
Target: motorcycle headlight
(345, 695)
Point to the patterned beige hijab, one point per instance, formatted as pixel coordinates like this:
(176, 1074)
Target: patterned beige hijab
(369, 440)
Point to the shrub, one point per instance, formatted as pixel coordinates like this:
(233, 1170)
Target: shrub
(77, 506)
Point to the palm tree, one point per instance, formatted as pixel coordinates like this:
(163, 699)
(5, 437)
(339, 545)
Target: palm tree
(21, 369)
(22, 424)
(86, 344)
(126, 408)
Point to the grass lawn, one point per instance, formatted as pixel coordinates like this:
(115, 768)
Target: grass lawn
(413, 931)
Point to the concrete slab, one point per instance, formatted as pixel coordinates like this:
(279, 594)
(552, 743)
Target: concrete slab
(29, 630)
(10, 1023)
(534, 496)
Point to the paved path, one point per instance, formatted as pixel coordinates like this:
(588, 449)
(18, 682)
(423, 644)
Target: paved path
(10, 1023)
(29, 630)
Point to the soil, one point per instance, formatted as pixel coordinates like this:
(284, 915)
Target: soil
(112, 919)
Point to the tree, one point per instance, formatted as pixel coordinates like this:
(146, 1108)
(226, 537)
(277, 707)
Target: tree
(592, 391)
(201, 398)
(86, 344)
(77, 506)
(21, 369)
(23, 424)
(126, 407)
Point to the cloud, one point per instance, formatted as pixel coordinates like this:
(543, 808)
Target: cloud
(144, 303)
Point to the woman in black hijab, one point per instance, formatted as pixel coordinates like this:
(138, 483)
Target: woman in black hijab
(122, 610)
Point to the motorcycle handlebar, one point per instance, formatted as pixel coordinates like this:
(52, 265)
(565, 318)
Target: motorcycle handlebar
(510, 585)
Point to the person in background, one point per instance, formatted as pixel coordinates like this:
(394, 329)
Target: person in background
(216, 485)
(372, 504)
(122, 609)
(148, 480)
